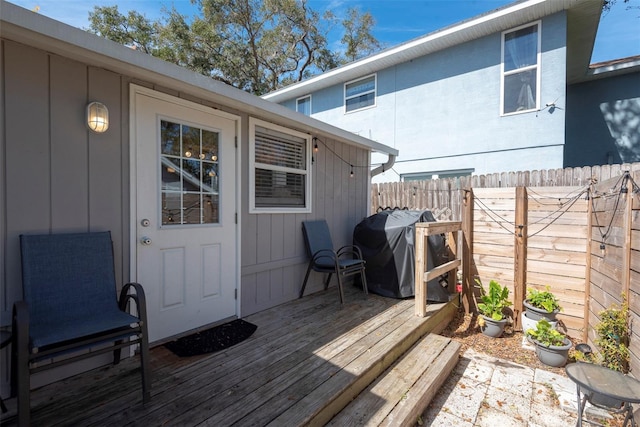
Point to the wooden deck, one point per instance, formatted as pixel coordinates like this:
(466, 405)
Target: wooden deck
(305, 363)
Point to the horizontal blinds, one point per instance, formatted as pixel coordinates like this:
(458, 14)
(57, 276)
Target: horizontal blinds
(279, 149)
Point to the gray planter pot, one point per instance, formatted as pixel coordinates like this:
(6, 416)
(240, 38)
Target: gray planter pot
(553, 355)
(536, 314)
(493, 328)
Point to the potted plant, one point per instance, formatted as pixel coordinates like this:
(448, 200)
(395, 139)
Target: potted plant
(541, 305)
(613, 348)
(552, 346)
(492, 319)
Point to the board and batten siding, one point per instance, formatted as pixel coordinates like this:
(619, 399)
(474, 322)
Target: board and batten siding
(58, 176)
(274, 258)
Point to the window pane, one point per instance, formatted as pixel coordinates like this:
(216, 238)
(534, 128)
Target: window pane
(189, 168)
(209, 146)
(303, 106)
(361, 86)
(277, 149)
(277, 189)
(171, 174)
(521, 48)
(360, 101)
(520, 91)
(170, 138)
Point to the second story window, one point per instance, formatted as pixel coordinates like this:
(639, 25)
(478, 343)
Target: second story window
(303, 105)
(360, 94)
(521, 69)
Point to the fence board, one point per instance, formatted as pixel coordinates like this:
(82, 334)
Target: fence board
(559, 232)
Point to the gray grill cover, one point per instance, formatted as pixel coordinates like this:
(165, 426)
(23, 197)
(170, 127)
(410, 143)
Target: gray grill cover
(387, 243)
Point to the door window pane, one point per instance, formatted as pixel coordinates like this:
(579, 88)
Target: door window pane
(189, 165)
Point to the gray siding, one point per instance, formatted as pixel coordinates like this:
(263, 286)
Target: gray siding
(58, 176)
(603, 122)
(442, 111)
(273, 252)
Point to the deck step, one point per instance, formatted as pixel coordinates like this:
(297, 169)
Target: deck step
(403, 391)
(360, 365)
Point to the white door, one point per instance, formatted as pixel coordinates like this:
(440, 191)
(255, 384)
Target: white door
(185, 206)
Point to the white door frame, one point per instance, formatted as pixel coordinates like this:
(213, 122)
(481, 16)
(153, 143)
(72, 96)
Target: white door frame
(133, 238)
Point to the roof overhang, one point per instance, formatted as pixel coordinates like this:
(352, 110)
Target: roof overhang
(613, 68)
(30, 28)
(583, 18)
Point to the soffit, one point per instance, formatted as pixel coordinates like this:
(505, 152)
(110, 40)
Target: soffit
(581, 35)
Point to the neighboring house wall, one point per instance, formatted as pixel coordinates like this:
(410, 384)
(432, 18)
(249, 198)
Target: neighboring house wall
(603, 121)
(442, 111)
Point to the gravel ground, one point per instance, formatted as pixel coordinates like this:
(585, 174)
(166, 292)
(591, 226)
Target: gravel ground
(464, 329)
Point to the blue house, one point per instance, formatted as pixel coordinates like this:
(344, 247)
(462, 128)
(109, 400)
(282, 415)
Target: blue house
(508, 90)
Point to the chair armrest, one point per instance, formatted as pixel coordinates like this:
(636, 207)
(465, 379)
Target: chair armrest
(324, 253)
(350, 249)
(138, 297)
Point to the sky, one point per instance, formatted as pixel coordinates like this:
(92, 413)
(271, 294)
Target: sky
(397, 21)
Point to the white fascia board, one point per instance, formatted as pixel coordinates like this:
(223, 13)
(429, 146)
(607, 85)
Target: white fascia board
(482, 25)
(33, 29)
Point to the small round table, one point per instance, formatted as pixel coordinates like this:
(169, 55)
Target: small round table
(611, 384)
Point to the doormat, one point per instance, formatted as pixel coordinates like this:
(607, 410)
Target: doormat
(213, 339)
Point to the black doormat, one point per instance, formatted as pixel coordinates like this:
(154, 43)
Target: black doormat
(213, 339)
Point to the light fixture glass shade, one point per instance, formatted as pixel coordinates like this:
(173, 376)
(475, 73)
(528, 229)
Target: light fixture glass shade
(97, 117)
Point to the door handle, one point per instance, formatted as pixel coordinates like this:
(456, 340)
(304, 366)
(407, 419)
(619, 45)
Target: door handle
(146, 241)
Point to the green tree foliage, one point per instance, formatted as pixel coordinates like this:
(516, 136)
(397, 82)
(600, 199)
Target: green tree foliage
(133, 30)
(254, 45)
(357, 36)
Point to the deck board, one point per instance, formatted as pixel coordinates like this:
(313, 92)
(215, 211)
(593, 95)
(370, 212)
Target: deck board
(302, 350)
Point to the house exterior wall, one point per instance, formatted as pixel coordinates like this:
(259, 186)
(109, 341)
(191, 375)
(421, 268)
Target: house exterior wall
(274, 257)
(603, 121)
(57, 177)
(442, 111)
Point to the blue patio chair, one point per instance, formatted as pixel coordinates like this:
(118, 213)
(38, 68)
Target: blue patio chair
(69, 305)
(346, 261)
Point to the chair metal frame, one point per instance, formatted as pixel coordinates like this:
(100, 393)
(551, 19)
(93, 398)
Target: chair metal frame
(125, 331)
(346, 261)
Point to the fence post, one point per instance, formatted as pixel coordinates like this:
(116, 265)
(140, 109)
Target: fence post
(587, 280)
(626, 250)
(520, 255)
(468, 301)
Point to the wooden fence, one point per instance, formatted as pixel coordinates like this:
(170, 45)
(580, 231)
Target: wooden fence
(444, 195)
(575, 229)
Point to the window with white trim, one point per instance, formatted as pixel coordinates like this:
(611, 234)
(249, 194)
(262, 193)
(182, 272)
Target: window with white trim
(359, 94)
(280, 165)
(303, 105)
(521, 69)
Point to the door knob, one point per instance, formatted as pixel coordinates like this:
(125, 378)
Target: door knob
(146, 241)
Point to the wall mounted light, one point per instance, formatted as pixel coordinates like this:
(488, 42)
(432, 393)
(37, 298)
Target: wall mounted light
(97, 117)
